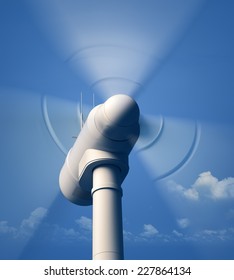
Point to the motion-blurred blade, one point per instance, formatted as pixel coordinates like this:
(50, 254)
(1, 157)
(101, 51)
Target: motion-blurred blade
(30, 159)
(167, 144)
(62, 119)
(115, 45)
(150, 128)
(31, 126)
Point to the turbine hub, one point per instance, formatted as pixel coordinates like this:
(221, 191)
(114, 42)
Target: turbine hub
(121, 110)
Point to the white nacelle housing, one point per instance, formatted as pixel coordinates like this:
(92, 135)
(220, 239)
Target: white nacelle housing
(107, 138)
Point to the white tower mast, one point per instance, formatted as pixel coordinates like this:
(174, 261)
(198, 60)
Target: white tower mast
(96, 166)
(107, 214)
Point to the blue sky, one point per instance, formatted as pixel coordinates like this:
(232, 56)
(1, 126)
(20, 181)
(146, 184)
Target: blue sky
(178, 200)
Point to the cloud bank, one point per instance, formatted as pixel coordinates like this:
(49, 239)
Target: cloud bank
(205, 186)
(27, 226)
(81, 231)
(54, 232)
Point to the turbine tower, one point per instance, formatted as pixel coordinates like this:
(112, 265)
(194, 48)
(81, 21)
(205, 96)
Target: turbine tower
(96, 166)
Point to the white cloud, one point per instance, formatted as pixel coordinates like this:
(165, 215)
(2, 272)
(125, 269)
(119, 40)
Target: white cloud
(35, 218)
(70, 234)
(55, 232)
(151, 234)
(149, 231)
(183, 223)
(6, 229)
(209, 186)
(190, 193)
(128, 235)
(176, 233)
(29, 225)
(148, 234)
(85, 223)
(61, 233)
(213, 235)
(208, 235)
(205, 186)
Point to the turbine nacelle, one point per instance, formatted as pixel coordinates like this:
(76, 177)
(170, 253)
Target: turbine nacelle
(107, 138)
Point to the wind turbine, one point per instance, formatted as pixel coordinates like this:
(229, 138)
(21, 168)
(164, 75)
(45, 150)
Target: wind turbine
(96, 166)
(111, 63)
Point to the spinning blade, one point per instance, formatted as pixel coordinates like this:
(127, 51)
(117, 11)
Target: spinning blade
(167, 151)
(110, 43)
(27, 153)
(121, 58)
(165, 144)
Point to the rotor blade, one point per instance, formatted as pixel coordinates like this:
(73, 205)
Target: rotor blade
(114, 45)
(64, 120)
(58, 115)
(150, 129)
(167, 144)
(31, 160)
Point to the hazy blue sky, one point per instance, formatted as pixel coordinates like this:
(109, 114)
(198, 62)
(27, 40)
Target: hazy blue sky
(178, 61)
